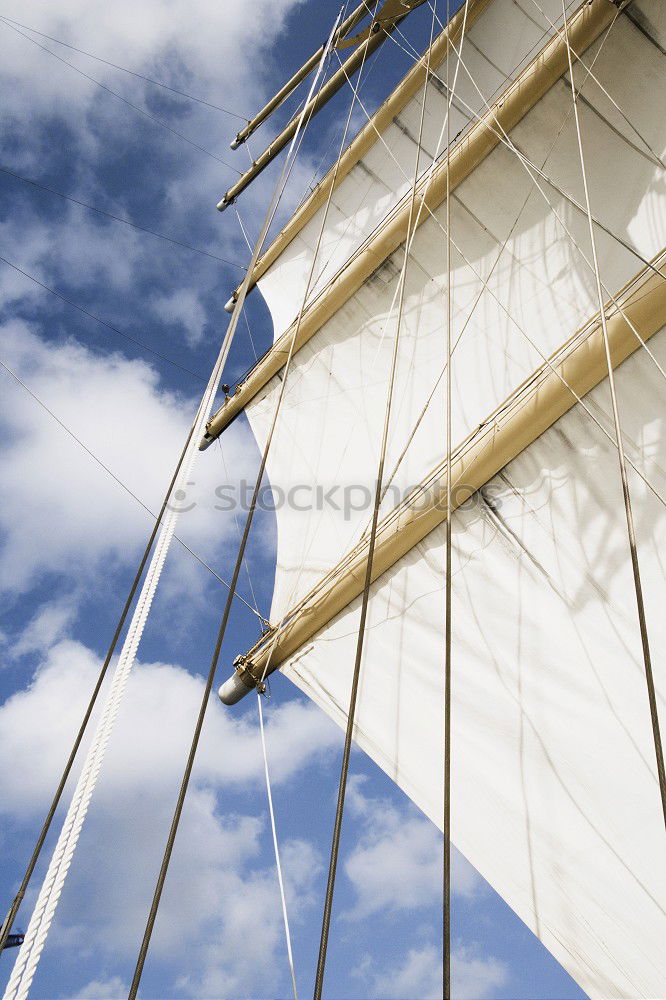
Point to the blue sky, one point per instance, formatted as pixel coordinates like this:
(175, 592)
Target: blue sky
(70, 535)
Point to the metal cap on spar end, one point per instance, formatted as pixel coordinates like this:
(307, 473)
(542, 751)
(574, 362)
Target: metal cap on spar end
(237, 142)
(233, 690)
(230, 305)
(239, 684)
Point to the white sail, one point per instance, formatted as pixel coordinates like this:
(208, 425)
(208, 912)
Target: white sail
(330, 423)
(555, 798)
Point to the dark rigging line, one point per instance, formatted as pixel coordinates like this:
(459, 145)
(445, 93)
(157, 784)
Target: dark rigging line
(102, 322)
(175, 821)
(140, 76)
(135, 107)
(624, 478)
(446, 880)
(118, 218)
(365, 600)
(13, 910)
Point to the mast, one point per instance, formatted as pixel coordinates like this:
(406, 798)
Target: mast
(550, 392)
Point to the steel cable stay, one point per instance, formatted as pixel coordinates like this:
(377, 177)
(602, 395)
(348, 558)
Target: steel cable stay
(448, 652)
(238, 532)
(351, 712)
(29, 954)
(91, 454)
(626, 493)
(135, 107)
(143, 951)
(124, 69)
(119, 218)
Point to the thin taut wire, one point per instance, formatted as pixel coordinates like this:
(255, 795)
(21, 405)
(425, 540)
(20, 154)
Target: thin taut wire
(342, 787)
(446, 916)
(175, 821)
(633, 548)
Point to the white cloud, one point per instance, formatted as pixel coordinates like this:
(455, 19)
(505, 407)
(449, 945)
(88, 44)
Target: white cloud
(221, 894)
(405, 844)
(205, 48)
(183, 307)
(103, 989)
(152, 733)
(419, 975)
(49, 624)
(60, 512)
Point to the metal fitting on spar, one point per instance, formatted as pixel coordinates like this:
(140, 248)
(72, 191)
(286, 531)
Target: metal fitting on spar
(239, 684)
(230, 305)
(238, 141)
(221, 205)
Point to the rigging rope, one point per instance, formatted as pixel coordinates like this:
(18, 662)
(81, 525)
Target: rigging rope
(135, 107)
(446, 929)
(124, 69)
(337, 826)
(150, 923)
(631, 533)
(14, 908)
(40, 922)
(118, 218)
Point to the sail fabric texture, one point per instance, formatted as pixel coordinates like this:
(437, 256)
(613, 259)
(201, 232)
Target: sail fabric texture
(537, 288)
(555, 797)
(554, 792)
(498, 45)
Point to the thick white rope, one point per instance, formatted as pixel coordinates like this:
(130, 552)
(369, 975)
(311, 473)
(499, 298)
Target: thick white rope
(40, 922)
(29, 954)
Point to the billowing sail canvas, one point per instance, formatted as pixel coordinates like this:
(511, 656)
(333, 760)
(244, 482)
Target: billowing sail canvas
(555, 796)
